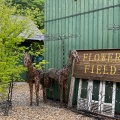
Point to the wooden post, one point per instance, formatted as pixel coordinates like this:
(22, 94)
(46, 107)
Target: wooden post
(89, 93)
(103, 97)
(100, 103)
(71, 87)
(79, 94)
(113, 98)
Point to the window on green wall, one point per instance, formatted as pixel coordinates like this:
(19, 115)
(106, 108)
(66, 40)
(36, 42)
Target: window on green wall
(108, 92)
(117, 102)
(84, 88)
(96, 86)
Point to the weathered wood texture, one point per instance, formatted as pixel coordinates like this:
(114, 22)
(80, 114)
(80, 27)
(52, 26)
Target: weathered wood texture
(95, 21)
(98, 65)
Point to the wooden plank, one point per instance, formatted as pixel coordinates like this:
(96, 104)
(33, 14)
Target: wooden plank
(100, 96)
(113, 98)
(79, 94)
(90, 90)
(71, 92)
(98, 65)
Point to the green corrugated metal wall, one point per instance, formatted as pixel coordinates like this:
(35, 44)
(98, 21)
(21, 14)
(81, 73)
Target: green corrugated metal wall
(91, 19)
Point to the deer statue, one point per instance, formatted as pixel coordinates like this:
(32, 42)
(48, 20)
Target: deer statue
(60, 75)
(34, 76)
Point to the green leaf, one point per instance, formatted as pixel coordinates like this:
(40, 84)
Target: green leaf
(11, 53)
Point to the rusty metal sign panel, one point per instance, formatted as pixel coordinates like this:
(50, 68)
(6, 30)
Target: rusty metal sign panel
(98, 65)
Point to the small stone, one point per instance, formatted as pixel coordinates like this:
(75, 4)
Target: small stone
(21, 109)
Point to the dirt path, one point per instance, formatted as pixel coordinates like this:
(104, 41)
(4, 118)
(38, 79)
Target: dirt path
(49, 111)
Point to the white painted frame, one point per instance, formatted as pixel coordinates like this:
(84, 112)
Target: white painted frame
(101, 101)
(112, 105)
(89, 100)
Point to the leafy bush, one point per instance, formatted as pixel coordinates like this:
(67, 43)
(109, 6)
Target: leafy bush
(12, 24)
(36, 50)
(37, 7)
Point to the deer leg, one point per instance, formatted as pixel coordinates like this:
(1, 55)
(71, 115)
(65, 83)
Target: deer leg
(44, 88)
(31, 92)
(44, 95)
(66, 90)
(51, 89)
(53, 95)
(37, 91)
(61, 93)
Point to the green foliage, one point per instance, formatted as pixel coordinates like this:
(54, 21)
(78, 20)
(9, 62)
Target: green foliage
(36, 50)
(11, 54)
(37, 7)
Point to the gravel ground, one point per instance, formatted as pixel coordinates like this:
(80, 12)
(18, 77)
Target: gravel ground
(49, 111)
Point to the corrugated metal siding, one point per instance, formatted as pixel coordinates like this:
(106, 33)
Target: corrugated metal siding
(93, 27)
(91, 19)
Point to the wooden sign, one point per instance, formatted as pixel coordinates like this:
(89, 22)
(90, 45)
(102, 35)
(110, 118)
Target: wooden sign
(98, 65)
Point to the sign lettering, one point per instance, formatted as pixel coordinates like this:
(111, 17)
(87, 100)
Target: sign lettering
(98, 65)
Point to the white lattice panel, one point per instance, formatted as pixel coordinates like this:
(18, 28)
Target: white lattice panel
(94, 106)
(82, 104)
(91, 105)
(107, 109)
